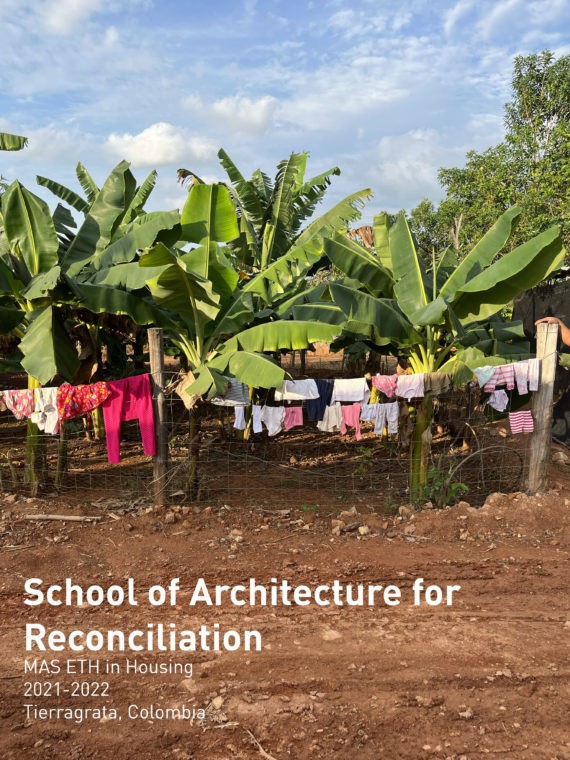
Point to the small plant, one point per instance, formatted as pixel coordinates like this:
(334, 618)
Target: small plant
(309, 512)
(441, 489)
(366, 456)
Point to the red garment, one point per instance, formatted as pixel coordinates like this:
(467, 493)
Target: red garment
(293, 417)
(351, 418)
(76, 400)
(129, 399)
(20, 403)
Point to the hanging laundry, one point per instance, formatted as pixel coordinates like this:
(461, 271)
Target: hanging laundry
(437, 382)
(369, 412)
(484, 374)
(316, 407)
(45, 414)
(76, 400)
(504, 374)
(410, 386)
(351, 418)
(297, 390)
(256, 418)
(498, 400)
(272, 417)
(521, 422)
(387, 417)
(129, 399)
(386, 384)
(237, 394)
(293, 417)
(526, 375)
(332, 419)
(352, 389)
(239, 421)
(20, 403)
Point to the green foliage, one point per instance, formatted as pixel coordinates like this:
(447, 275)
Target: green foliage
(441, 489)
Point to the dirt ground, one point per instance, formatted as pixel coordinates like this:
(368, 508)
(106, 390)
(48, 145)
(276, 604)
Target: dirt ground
(486, 677)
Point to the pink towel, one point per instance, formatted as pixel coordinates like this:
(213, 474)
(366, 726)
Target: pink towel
(130, 399)
(293, 417)
(351, 418)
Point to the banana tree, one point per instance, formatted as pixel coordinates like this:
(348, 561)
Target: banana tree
(48, 275)
(443, 317)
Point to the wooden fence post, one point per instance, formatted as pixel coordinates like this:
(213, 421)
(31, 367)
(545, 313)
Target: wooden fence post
(546, 343)
(156, 355)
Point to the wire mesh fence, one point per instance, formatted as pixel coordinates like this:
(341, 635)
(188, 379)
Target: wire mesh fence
(472, 454)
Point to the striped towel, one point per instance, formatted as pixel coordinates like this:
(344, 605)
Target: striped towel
(521, 422)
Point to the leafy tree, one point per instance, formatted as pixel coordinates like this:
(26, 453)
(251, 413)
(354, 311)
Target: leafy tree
(530, 168)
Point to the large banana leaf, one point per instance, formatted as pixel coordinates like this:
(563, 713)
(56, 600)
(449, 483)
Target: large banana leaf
(87, 182)
(104, 216)
(42, 284)
(246, 366)
(101, 299)
(377, 318)
(29, 228)
(12, 142)
(275, 237)
(521, 269)
(283, 334)
(208, 216)
(179, 289)
(381, 235)
(10, 318)
(336, 218)
(129, 276)
(140, 198)
(358, 263)
(407, 269)
(67, 195)
(247, 195)
(482, 254)
(139, 234)
(47, 349)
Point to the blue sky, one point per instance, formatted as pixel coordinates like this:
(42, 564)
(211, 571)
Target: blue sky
(388, 91)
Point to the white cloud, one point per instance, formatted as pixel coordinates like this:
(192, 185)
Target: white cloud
(63, 16)
(161, 143)
(454, 14)
(502, 17)
(111, 36)
(245, 114)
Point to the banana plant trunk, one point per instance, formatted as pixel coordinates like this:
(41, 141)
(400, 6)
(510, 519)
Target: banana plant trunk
(35, 473)
(420, 448)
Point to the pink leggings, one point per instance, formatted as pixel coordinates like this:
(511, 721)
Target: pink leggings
(351, 418)
(130, 399)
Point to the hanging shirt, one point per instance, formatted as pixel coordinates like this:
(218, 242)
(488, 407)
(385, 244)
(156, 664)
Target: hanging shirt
(76, 400)
(293, 417)
(332, 419)
(521, 422)
(526, 375)
(437, 382)
(45, 414)
(484, 374)
(20, 403)
(316, 407)
(386, 384)
(297, 390)
(239, 414)
(256, 418)
(352, 389)
(272, 417)
(410, 386)
(129, 399)
(498, 400)
(504, 374)
(351, 418)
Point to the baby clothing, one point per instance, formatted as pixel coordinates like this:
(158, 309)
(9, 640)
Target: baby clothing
(504, 374)
(387, 417)
(526, 375)
(437, 382)
(316, 407)
(297, 390)
(410, 386)
(369, 412)
(272, 417)
(521, 422)
(352, 389)
(351, 418)
(293, 417)
(45, 414)
(76, 400)
(20, 403)
(498, 400)
(129, 399)
(386, 384)
(332, 419)
(256, 418)
(239, 414)
(484, 374)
